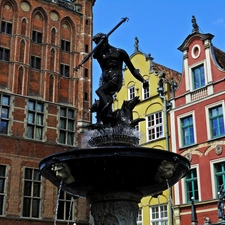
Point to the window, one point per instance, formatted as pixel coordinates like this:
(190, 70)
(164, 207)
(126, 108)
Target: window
(31, 193)
(198, 77)
(2, 189)
(65, 45)
(4, 54)
(139, 217)
(131, 92)
(53, 33)
(35, 123)
(86, 72)
(154, 126)
(219, 172)
(187, 130)
(65, 207)
(4, 119)
(85, 96)
(64, 70)
(159, 215)
(191, 183)
(137, 132)
(86, 48)
(146, 93)
(67, 126)
(6, 27)
(35, 62)
(36, 36)
(216, 121)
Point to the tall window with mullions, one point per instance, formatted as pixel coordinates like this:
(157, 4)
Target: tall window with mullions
(217, 121)
(32, 193)
(67, 126)
(219, 172)
(4, 108)
(35, 122)
(2, 189)
(191, 182)
(65, 207)
(187, 130)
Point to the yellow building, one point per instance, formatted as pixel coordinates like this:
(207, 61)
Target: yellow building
(153, 132)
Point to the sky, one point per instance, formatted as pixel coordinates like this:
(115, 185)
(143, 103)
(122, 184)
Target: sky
(160, 25)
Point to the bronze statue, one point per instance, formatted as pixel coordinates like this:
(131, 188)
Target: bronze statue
(111, 60)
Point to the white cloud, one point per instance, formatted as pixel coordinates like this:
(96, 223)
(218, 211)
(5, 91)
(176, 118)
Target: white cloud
(219, 21)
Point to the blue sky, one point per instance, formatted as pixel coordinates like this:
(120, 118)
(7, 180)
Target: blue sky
(160, 25)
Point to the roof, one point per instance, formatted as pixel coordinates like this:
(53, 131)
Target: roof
(219, 57)
(170, 73)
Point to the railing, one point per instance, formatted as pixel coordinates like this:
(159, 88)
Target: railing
(67, 4)
(198, 94)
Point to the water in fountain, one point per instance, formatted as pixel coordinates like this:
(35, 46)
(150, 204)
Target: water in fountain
(57, 202)
(110, 136)
(70, 210)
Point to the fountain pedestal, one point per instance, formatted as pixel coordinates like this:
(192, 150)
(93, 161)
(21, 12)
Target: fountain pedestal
(114, 208)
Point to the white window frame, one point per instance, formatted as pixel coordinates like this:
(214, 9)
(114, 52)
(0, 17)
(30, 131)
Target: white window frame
(212, 173)
(160, 219)
(131, 95)
(64, 202)
(179, 118)
(145, 91)
(207, 108)
(203, 62)
(32, 197)
(156, 125)
(183, 183)
(140, 216)
(137, 132)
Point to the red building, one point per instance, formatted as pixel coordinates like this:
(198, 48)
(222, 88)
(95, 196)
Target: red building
(43, 101)
(199, 118)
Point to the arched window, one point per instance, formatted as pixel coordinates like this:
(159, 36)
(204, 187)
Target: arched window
(7, 12)
(52, 60)
(51, 87)
(22, 51)
(65, 36)
(53, 33)
(20, 81)
(38, 26)
(23, 27)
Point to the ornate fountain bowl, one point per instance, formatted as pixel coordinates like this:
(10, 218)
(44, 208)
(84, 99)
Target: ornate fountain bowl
(146, 171)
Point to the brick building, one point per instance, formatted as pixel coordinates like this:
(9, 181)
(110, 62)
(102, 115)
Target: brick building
(42, 103)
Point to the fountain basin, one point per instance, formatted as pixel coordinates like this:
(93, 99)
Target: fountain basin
(120, 168)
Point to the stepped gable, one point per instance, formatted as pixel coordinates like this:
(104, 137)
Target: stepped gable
(220, 57)
(170, 73)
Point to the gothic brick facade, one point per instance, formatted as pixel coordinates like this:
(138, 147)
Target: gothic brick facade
(43, 102)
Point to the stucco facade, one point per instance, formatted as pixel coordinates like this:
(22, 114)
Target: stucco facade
(197, 119)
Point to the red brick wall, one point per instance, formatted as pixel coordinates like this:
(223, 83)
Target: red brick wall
(16, 151)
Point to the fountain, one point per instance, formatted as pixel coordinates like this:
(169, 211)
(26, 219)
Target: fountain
(113, 172)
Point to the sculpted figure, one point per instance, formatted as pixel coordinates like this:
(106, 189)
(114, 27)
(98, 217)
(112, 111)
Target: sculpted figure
(111, 60)
(62, 171)
(165, 170)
